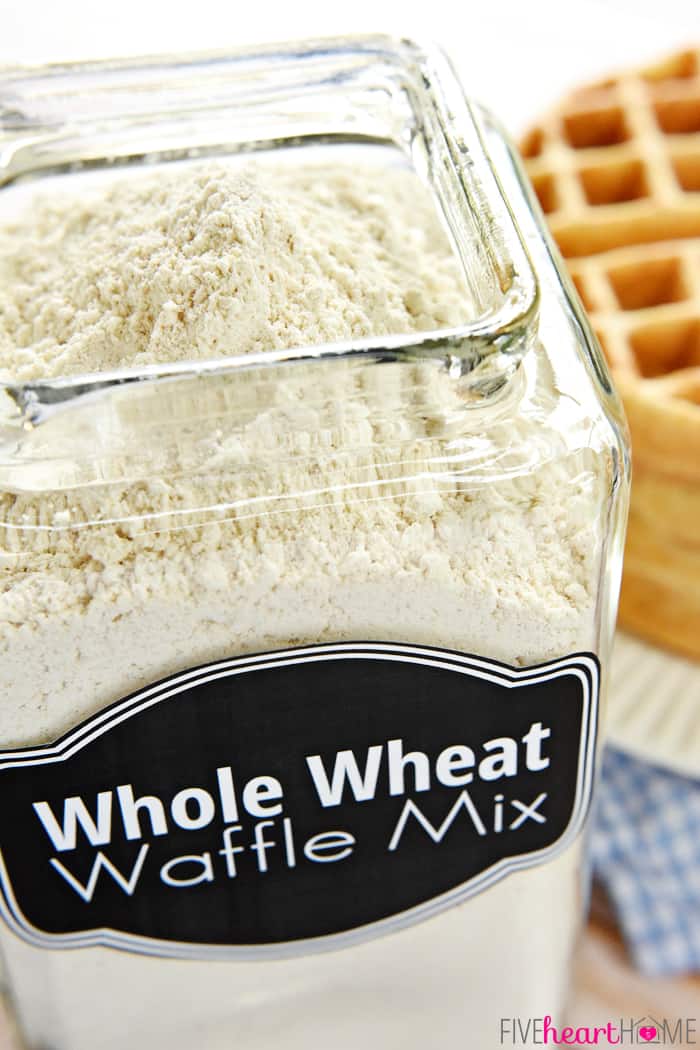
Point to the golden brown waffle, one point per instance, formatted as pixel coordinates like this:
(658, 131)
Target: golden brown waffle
(616, 168)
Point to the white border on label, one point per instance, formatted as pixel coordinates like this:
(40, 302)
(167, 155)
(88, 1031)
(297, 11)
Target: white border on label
(583, 666)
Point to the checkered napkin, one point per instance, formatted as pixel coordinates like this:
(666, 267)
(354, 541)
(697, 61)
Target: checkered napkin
(646, 852)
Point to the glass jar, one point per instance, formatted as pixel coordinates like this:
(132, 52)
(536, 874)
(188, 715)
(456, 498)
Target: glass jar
(302, 649)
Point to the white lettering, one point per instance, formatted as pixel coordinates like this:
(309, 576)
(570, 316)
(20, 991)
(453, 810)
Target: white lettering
(261, 845)
(229, 851)
(533, 747)
(204, 804)
(450, 764)
(503, 762)
(397, 764)
(128, 885)
(345, 766)
(205, 874)
(528, 812)
(75, 813)
(319, 848)
(130, 812)
(227, 794)
(463, 801)
(259, 793)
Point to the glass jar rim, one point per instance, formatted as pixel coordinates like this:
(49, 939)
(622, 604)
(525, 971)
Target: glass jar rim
(37, 101)
(59, 119)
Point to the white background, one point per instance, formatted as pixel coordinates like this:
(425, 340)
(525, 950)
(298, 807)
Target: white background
(514, 55)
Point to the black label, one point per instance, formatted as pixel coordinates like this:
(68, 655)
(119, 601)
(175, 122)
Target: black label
(294, 800)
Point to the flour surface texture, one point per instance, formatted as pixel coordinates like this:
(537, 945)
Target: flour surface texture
(216, 262)
(316, 508)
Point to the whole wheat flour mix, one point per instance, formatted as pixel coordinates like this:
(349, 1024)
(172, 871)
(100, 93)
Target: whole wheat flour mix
(343, 505)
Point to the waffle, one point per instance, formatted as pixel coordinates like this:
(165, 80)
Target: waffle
(616, 168)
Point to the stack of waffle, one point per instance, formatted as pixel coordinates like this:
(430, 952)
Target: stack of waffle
(616, 168)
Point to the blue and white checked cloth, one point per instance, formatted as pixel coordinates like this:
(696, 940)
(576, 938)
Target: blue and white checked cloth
(646, 852)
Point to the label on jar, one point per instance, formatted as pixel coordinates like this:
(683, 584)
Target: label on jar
(296, 800)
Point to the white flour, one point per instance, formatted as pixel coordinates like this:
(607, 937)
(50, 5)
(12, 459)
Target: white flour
(507, 568)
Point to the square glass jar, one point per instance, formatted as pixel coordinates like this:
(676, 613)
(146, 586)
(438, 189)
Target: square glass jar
(458, 492)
